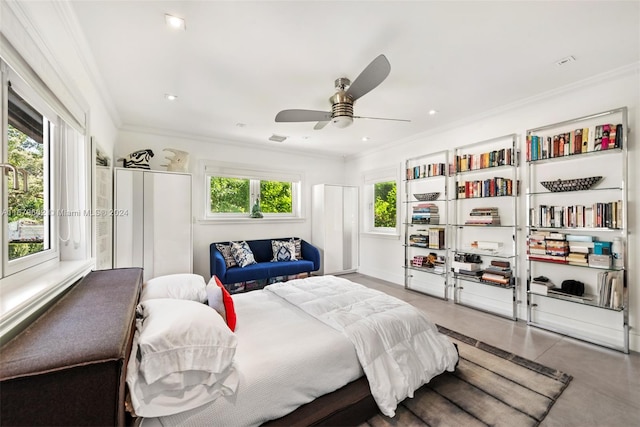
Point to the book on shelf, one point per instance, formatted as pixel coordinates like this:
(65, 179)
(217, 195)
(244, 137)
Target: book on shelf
(610, 289)
(437, 238)
(483, 216)
(598, 215)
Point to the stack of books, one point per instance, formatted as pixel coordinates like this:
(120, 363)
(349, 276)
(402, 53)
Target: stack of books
(483, 216)
(498, 273)
(541, 288)
(419, 240)
(548, 246)
(425, 213)
(579, 249)
(610, 289)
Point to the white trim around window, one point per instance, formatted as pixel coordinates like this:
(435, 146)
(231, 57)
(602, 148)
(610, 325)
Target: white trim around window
(369, 179)
(210, 168)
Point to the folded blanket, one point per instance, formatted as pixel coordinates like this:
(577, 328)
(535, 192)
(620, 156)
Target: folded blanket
(399, 348)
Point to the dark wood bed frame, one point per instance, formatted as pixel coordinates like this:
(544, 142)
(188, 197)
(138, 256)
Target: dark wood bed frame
(69, 366)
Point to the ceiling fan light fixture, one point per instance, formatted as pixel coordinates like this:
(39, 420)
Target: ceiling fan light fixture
(342, 122)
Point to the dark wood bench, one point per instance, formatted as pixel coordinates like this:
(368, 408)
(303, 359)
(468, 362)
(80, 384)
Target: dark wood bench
(68, 367)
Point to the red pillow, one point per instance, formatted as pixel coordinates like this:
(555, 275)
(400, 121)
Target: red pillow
(230, 312)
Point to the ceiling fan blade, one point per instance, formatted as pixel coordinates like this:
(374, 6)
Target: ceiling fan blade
(381, 118)
(320, 125)
(370, 77)
(303, 116)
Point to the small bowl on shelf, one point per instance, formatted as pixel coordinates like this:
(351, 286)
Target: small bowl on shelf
(426, 197)
(570, 184)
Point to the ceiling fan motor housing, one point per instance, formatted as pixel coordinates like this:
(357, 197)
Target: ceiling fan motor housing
(341, 109)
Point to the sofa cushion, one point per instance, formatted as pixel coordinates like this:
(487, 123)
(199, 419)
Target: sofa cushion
(283, 250)
(242, 253)
(225, 250)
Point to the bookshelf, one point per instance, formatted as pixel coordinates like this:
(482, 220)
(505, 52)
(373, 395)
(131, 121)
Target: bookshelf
(484, 265)
(574, 224)
(426, 261)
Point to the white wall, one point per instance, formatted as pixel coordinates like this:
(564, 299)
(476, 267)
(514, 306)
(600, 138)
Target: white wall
(383, 258)
(315, 170)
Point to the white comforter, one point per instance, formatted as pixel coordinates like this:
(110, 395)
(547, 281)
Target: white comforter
(398, 347)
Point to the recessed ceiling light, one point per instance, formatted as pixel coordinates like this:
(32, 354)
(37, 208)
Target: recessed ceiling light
(174, 22)
(170, 97)
(241, 125)
(365, 138)
(433, 112)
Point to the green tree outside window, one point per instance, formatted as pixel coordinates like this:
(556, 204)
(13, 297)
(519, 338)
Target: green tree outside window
(384, 205)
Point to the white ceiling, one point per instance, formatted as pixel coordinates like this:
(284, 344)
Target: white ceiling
(244, 61)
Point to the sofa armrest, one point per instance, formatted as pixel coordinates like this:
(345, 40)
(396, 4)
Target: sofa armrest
(311, 253)
(217, 264)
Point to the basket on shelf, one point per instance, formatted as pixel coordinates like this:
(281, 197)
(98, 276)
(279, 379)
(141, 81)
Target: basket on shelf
(570, 184)
(426, 197)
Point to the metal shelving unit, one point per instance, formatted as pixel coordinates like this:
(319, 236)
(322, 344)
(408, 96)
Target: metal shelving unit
(588, 317)
(427, 173)
(488, 164)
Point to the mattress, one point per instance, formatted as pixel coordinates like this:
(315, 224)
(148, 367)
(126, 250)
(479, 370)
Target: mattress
(283, 363)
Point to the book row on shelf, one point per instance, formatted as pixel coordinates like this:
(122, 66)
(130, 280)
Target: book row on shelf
(434, 238)
(489, 159)
(492, 187)
(425, 171)
(578, 141)
(573, 249)
(598, 215)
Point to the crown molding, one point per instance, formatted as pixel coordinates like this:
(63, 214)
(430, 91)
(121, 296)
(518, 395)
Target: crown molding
(231, 142)
(611, 75)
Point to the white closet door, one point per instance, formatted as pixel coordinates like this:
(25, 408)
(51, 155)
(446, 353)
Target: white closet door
(167, 218)
(350, 228)
(334, 230)
(128, 227)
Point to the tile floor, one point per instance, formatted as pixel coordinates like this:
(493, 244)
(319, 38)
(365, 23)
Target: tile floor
(605, 390)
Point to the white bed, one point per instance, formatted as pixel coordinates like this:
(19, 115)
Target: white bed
(300, 340)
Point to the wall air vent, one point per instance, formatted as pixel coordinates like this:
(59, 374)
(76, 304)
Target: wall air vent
(565, 61)
(277, 138)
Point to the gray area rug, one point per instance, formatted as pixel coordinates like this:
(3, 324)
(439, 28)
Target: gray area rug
(489, 387)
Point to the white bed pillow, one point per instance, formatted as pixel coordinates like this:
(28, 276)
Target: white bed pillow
(177, 336)
(179, 286)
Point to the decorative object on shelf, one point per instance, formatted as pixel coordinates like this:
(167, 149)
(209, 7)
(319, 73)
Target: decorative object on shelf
(178, 162)
(137, 160)
(255, 210)
(426, 197)
(571, 184)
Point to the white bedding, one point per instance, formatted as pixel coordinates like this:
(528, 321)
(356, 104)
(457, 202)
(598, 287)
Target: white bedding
(398, 347)
(283, 363)
(282, 356)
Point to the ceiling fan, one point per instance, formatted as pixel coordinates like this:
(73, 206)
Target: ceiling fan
(347, 92)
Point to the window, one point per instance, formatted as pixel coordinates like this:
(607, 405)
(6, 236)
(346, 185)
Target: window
(27, 164)
(384, 205)
(382, 202)
(234, 193)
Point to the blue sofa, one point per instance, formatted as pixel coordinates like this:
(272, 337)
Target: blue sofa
(264, 268)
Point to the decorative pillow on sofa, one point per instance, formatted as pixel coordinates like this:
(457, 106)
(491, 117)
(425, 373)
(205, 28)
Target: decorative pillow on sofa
(220, 300)
(283, 250)
(225, 250)
(298, 245)
(179, 286)
(182, 357)
(242, 253)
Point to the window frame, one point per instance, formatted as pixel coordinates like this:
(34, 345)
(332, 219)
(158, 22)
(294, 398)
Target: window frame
(22, 88)
(370, 179)
(229, 170)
